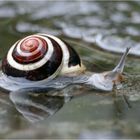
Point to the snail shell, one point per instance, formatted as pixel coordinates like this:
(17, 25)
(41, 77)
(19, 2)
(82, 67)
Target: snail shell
(41, 57)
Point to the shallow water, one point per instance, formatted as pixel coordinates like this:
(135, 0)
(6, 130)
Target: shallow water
(99, 31)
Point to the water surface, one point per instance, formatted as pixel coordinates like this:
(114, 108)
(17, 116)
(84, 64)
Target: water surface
(100, 32)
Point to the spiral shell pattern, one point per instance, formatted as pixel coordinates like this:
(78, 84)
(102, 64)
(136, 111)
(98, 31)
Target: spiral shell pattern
(38, 57)
(30, 50)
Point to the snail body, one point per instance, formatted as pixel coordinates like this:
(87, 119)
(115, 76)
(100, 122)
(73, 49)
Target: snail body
(42, 61)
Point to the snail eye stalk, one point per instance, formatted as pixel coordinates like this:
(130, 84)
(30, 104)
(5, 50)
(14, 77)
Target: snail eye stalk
(119, 68)
(105, 81)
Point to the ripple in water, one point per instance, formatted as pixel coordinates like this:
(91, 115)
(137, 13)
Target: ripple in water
(108, 25)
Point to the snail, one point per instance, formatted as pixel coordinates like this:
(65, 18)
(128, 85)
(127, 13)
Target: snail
(42, 61)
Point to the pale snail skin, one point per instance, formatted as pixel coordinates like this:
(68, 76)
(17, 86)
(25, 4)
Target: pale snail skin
(63, 76)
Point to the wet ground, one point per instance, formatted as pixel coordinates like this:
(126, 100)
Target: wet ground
(99, 31)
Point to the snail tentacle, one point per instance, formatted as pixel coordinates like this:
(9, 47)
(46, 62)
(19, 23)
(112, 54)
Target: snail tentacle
(119, 68)
(106, 80)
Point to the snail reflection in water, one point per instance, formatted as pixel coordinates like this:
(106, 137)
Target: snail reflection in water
(37, 107)
(43, 61)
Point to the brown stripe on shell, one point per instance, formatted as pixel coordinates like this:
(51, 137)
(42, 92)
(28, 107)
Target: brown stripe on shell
(74, 57)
